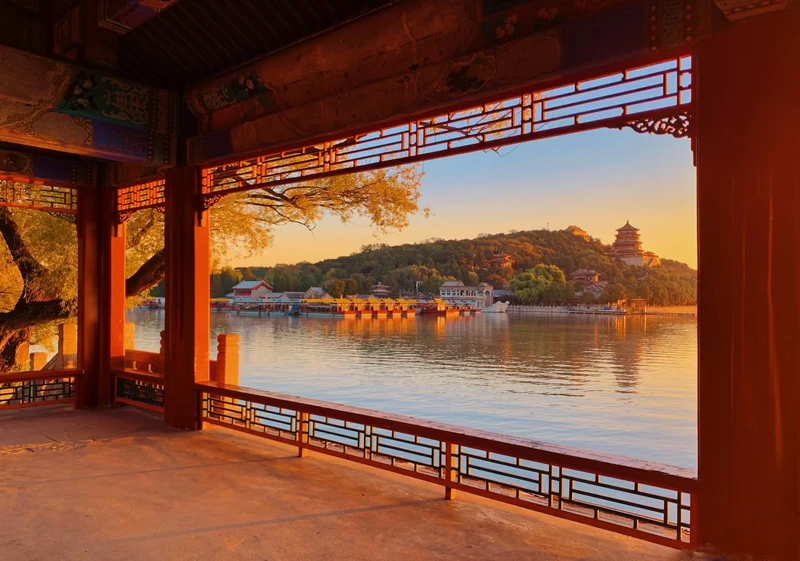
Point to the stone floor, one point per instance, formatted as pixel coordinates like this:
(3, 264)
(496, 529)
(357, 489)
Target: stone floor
(117, 484)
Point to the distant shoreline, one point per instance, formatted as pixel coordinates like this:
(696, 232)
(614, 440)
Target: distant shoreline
(683, 311)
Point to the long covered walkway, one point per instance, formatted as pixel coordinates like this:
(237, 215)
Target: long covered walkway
(118, 484)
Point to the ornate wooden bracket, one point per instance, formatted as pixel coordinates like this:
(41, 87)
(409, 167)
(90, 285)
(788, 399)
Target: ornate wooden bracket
(52, 199)
(209, 200)
(673, 125)
(140, 196)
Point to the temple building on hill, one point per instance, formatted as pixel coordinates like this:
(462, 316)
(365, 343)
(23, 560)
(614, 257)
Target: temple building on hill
(501, 259)
(380, 290)
(585, 276)
(628, 248)
(579, 232)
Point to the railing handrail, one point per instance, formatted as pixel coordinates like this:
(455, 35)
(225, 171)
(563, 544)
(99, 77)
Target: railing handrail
(140, 375)
(39, 375)
(610, 465)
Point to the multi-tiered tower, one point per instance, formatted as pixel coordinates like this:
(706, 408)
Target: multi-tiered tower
(628, 248)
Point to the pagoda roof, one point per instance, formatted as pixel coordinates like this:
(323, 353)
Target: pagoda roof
(628, 226)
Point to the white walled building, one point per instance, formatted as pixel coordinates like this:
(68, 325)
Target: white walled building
(457, 292)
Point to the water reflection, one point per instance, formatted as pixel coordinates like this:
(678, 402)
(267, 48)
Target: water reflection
(619, 384)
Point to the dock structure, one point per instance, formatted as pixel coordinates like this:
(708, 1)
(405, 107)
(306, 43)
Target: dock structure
(355, 308)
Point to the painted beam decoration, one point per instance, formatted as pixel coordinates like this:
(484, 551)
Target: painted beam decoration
(31, 168)
(430, 55)
(740, 9)
(50, 104)
(123, 16)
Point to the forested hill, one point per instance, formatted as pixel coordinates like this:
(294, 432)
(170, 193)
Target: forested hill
(434, 261)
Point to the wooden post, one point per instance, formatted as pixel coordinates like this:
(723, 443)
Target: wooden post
(187, 297)
(450, 468)
(227, 371)
(747, 131)
(68, 344)
(101, 290)
(38, 360)
(302, 433)
(130, 336)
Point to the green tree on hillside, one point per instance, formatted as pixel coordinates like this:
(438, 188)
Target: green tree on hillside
(539, 283)
(613, 293)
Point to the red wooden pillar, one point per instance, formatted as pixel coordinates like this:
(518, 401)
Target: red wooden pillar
(101, 291)
(748, 183)
(187, 297)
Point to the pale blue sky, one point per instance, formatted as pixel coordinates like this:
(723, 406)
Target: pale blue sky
(596, 179)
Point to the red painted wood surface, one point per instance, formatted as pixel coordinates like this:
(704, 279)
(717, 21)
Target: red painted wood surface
(114, 283)
(75, 374)
(89, 291)
(643, 471)
(139, 375)
(748, 183)
(187, 288)
(40, 375)
(604, 465)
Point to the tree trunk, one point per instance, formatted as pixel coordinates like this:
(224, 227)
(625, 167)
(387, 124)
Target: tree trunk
(148, 275)
(10, 342)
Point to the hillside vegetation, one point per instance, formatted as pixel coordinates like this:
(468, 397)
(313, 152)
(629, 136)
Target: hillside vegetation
(432, 262)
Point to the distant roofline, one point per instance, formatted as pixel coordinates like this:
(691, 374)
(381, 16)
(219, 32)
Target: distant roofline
(628, 226)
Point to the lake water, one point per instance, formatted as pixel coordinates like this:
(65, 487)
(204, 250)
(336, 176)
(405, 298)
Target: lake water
(613, 384)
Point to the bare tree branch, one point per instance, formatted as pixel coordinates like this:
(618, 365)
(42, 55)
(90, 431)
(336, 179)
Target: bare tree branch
(148, 275)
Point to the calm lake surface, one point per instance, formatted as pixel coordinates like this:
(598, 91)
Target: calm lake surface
(621, 385)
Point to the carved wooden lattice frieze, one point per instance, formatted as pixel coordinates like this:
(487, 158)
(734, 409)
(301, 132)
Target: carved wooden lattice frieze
(49, 198)
(134, 198)
(655, 91)
(673, 125)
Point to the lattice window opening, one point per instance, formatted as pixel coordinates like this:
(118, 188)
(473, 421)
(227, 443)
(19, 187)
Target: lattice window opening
(147, 195)
(36, 196)
(653, 87)
(605, 101)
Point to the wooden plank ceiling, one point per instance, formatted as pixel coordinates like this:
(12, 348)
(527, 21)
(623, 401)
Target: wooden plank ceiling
(196, 39)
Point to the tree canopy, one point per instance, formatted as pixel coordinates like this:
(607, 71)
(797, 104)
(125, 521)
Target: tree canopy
(38, 261)
(542, 282)
(426, 265)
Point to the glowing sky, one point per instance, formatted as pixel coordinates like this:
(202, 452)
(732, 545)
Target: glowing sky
(596, 180)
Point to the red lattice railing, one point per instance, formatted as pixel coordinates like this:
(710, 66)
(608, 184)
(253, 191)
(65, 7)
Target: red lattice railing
(653, 98)
(641, 499)
(43, 387)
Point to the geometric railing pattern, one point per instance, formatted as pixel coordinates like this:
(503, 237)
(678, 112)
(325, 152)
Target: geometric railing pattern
(30, 389)
(145, 391)
(644, 95)
(640, 499)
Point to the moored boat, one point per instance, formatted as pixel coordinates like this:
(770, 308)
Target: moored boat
(496, 308)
